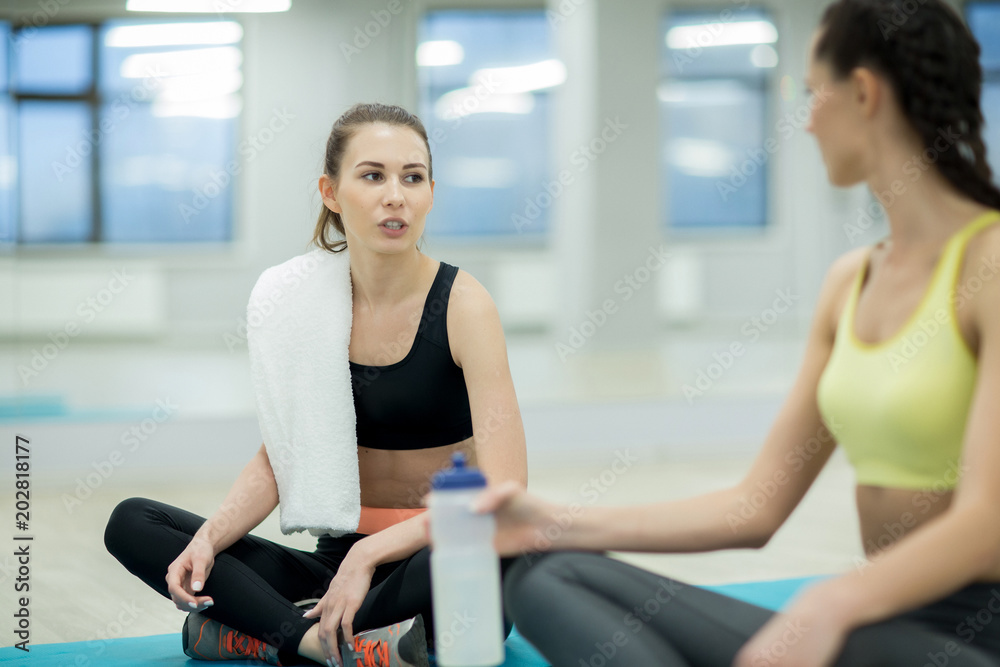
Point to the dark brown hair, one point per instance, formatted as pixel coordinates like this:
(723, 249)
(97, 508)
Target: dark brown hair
(336, 145)
(931, 60)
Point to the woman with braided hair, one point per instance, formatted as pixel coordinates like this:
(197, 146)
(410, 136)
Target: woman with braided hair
(902, 369)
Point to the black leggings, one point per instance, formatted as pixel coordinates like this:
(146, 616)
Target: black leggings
(255, 582)
(588, 610)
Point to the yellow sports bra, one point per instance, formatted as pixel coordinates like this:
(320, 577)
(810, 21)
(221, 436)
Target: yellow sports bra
(899, 407)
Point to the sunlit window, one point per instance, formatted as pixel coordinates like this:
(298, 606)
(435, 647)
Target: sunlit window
(485, 78)
(717, 145)
(136, 143)
(984, 21)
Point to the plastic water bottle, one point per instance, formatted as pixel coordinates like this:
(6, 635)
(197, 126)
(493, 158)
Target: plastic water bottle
(465, 572)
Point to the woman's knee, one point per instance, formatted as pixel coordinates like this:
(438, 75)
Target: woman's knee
(532, 568)
(530, 572)
(123, 524)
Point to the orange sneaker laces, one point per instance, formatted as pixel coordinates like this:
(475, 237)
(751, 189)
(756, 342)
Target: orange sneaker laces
(375, 652)
(244, 644)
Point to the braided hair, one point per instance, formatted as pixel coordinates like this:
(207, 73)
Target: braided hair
(931, 60)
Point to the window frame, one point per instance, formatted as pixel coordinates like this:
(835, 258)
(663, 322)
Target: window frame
(6, 99)
(91, 98)
(231, 253)
(730, 233)
(487, 243)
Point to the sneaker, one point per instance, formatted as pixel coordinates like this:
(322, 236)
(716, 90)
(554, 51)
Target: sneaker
(399, 645)
(206, 639)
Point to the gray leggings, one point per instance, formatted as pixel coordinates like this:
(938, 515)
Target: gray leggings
(588, 610)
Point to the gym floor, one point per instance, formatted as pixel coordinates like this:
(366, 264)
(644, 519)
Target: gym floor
(80, 593)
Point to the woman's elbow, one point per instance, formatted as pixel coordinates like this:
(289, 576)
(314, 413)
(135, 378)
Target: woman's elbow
(762, 537)
(753, 537)
(986, 531)
(753, 524)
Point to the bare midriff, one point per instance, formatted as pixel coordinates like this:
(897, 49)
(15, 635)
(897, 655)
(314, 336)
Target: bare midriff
(887, 515)
(394, 482)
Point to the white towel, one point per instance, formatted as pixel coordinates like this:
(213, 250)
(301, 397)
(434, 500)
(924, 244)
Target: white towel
(298, 332)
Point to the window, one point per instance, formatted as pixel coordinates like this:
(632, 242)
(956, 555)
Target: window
(7, 163)
(484, 82)
(984, 21)
(713, 104)
(125, 132)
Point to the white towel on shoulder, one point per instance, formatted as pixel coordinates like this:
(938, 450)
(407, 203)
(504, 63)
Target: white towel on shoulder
(298, 332)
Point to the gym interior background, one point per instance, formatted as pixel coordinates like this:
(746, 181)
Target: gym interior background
(632, 182)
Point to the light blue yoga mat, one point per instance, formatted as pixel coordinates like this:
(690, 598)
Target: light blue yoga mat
(165, 650)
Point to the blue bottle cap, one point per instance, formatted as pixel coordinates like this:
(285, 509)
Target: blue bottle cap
(458, 476)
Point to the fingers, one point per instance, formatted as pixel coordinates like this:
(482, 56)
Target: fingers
(327, 631)
(199, 604)
(329, 639)
(198, 577)
(337, 658)
(336, 627)
(182, 599)
(337, 610)
(495, 497)
(347, 627)
(182, 586)
(344, 634)
(187, 602)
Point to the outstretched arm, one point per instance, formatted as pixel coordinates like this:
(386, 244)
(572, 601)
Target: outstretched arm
(744, 515)
(955, 548)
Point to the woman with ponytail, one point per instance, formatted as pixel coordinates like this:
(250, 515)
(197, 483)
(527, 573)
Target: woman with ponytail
(902, 370)
(430, 379)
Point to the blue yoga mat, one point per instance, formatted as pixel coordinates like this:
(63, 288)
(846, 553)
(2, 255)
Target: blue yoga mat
(769, 594)
(165, 650)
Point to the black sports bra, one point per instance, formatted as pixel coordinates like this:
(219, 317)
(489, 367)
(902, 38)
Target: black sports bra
(421, 400)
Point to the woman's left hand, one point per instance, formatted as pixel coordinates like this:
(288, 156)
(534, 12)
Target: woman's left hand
(337, 608)
(795, 638)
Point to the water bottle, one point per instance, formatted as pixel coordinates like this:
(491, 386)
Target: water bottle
(465, 572)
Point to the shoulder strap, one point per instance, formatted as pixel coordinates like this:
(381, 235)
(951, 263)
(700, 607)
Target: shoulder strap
(434, 319)
(946, 279)
(846, 323)
(965, 233)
